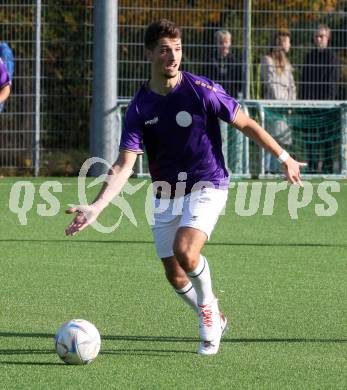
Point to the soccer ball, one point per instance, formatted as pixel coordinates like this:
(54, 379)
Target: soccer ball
(77, 342)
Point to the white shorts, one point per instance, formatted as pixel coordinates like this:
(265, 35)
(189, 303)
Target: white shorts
(199, 210)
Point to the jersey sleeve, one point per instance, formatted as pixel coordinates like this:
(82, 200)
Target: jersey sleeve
(4, 76)
(221, 104)
(131, 138)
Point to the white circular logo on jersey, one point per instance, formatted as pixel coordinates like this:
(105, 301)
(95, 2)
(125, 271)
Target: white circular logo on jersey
(184, 119)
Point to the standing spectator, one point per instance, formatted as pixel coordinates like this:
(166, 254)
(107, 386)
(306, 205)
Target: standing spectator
(4, 84)
(276, 73)
(320, 81)
(321, 69)
(225, 66)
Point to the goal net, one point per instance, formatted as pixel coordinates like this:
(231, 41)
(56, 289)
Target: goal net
(313, 132)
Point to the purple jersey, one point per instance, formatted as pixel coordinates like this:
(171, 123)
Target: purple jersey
(180, 131)
(4, 77)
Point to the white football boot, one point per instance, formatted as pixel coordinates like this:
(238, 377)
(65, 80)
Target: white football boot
(212, 347)
(209, 321)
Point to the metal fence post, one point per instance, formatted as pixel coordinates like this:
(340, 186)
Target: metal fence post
(245, 147)
(247, 42)
(224, 129)
(344, 139)
(36, 149)
(262, 124)
(103, 141)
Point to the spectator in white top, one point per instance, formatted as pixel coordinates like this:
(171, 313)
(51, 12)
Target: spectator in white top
(278, 83)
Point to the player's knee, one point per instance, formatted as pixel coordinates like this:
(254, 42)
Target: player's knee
(187, 257)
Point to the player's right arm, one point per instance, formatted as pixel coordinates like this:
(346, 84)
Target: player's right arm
(117, 177)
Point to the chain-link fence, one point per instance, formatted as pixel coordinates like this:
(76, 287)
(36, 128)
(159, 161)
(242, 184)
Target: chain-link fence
(240, 45)
(61, 114)
(66, 65)
(253, 26)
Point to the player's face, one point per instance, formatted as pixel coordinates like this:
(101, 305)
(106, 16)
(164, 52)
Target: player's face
(321, 38)
(166, 57)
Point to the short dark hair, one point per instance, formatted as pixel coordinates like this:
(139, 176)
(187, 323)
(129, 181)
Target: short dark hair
(163, 28)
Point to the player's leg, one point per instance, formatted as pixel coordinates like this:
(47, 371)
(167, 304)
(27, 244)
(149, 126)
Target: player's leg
(200, 214)
(164, 230)
(179, 280)
(201, 210)
(187, 248)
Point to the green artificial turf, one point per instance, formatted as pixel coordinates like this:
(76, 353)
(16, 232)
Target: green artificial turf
(280, 281)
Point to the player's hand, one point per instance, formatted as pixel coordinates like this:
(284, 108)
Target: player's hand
(291, 170)
(85, 215)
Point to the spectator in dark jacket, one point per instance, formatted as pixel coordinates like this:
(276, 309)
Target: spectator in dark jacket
(321, 69)
(225, 66)
(320, 81)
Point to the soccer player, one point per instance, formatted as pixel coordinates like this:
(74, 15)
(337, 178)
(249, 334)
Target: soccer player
(5, 83)
(174, 115)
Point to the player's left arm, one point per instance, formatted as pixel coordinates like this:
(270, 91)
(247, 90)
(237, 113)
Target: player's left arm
(253, 130)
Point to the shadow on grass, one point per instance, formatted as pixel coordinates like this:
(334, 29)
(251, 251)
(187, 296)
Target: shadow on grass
(16, 363)
(154, 352)
(130, 351)
(145, 352)
(256, 244)
(28, 352)
(177, 339)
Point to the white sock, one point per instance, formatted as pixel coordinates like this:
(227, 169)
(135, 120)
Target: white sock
(188, 294)
(201, 281)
